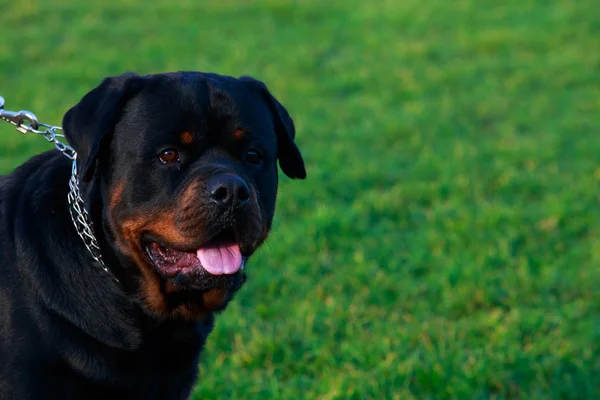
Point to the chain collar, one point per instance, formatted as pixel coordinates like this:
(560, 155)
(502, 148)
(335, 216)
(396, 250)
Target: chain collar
(26, 122)
(81, 219)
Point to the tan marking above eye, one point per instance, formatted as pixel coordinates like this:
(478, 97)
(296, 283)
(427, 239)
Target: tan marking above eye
(238, 134)
(186, 137)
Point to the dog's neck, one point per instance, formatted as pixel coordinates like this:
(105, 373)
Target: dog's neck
(95, 195)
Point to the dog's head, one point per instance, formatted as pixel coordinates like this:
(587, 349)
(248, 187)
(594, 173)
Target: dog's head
(184, 172)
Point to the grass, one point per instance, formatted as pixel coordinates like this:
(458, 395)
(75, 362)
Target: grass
(447, 242)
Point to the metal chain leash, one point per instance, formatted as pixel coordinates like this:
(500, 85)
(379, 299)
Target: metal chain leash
(27, 122)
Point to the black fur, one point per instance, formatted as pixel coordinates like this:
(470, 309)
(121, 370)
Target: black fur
(67, 330)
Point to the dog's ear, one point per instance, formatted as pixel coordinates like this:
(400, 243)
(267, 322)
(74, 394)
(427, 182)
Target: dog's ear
(88, 126)
(290, 158)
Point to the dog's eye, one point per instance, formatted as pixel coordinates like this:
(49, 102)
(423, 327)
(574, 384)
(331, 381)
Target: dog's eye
(253, 157)
(168, 156)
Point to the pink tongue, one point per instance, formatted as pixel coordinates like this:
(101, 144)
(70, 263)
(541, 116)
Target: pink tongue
(219, 260)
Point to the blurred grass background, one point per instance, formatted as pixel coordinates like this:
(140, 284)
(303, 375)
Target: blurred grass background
(446, 243)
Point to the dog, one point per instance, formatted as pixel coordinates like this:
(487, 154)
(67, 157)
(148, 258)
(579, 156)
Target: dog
(110, 282)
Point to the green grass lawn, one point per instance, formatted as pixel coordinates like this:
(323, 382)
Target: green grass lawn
(446, 244)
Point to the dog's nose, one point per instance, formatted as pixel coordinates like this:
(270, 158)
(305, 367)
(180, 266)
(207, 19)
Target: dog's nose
(228, 191)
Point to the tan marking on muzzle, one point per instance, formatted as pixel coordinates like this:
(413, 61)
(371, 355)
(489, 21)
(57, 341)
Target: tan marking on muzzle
(116, 195)
(214, 298)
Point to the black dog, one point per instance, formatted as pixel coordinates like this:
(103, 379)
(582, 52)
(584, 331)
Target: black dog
(178, 175)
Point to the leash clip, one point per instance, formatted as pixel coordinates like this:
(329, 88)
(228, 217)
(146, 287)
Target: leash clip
(24, 121)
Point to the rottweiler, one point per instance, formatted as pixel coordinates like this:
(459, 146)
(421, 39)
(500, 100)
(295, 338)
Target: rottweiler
(111, 273)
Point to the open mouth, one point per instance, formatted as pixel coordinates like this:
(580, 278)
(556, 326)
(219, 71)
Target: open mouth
(220, 256)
